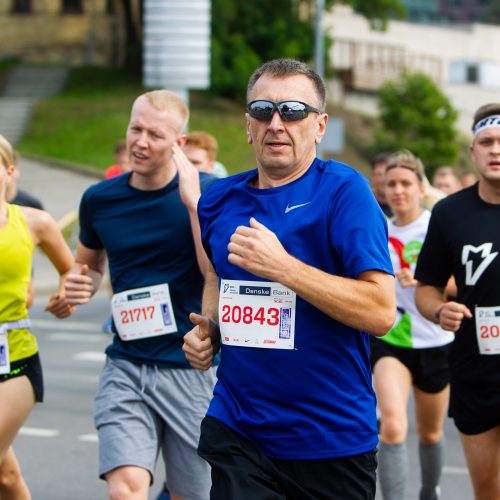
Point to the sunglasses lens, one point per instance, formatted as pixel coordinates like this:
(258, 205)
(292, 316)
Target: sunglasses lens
(291, 111)
(261, 110)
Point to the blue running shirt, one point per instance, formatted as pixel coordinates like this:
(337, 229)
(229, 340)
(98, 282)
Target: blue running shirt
(148, 239)
(314, 401)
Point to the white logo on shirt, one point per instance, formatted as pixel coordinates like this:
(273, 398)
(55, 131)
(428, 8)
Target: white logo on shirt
(485, 249)
(293, 207)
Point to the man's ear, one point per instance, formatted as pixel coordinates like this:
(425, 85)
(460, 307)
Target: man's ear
(181, 140)
(249, 135)
(322, 122)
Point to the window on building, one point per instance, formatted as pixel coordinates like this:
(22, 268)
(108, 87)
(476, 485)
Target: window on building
(472, 73)
(21, 6)
(72, 7)
(110, 7)
(455, 3)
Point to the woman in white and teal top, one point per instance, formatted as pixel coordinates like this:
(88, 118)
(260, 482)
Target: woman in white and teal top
(414, 354)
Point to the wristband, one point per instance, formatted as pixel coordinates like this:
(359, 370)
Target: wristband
(437, 314)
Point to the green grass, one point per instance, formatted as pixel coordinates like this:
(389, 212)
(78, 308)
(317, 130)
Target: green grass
(82, 124)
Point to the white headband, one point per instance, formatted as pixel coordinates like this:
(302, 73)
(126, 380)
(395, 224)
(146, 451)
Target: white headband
(492, 121)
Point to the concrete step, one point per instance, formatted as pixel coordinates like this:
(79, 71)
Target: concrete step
(15, 113)
(32, 81)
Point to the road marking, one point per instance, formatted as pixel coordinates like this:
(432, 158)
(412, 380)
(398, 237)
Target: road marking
(95, 356)
(66, 325)
(461, 471)
(77, 337)
(88, 438)
(38, 432)
(64, 376)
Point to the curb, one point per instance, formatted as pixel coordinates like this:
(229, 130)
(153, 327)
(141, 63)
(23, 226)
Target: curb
(65, 165)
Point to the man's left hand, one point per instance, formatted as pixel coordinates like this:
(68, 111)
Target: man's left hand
(59, 306)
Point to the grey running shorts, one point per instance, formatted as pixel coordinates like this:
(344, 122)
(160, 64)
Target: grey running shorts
(140, 409)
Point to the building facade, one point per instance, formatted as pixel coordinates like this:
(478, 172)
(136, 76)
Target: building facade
(463, 11)
(69, 32)
(460, 58)
(445, 11)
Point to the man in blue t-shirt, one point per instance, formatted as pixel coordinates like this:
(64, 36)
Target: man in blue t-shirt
(145, 224)
(299, 276)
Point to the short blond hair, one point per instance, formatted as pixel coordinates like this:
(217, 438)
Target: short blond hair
(203, 140)
(406, 159)
(6, 152)
(166, 100)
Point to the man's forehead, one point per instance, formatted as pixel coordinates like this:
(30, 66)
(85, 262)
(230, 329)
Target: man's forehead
(492, 133)
(297, 87)
(145, 113)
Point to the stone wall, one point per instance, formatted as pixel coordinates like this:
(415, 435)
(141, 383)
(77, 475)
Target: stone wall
(47, 35)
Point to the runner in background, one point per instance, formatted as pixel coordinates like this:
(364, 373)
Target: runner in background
(446, 179)
(146, 224)
(378, 165)
(414, 354)
(201, 150)
(121, 164)
(468, 179)
(21, 379)
(463, 241)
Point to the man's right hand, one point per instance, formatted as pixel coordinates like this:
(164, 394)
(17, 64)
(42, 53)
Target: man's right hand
(79, 287)
(201, 343)
(452, 314)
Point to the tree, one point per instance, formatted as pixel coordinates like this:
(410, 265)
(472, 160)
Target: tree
(245, 34)
(416, 115)
(492, 14)
(132, 17)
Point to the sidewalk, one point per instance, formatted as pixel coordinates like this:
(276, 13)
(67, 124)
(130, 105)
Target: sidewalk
(60, 191)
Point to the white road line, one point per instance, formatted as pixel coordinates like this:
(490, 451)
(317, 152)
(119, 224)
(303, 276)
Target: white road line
(88, 438)
(94, 356)
(76, 337)
(63, 376)
(461, 471)
(38, 432)
(66, 325)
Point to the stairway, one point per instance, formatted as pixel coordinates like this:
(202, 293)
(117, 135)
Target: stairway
(24, 86)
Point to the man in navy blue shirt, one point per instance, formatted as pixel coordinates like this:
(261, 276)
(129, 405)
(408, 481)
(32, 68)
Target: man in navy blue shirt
(299, 276)
(145, 224)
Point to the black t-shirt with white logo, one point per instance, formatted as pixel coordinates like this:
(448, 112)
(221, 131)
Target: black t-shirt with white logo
(463, 240)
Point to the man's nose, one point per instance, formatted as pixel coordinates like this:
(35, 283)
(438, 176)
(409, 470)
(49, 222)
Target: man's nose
(276, 122)
(142, 139)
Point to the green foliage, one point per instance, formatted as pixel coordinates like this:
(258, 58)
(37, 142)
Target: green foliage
(379, 11)
(416, 115)
(246, 34)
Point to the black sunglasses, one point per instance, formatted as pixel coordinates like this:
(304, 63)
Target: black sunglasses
(289, 111)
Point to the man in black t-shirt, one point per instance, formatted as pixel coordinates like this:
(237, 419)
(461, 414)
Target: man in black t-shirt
(463, 240)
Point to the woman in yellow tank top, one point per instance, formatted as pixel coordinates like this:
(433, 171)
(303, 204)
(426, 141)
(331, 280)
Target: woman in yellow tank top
(21, 382)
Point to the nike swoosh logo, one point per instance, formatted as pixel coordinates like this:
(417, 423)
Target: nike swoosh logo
(293, 207)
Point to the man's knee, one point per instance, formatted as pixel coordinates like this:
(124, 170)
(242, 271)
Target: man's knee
(128, 483)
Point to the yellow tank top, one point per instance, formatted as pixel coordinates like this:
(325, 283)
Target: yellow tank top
(16, 255)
